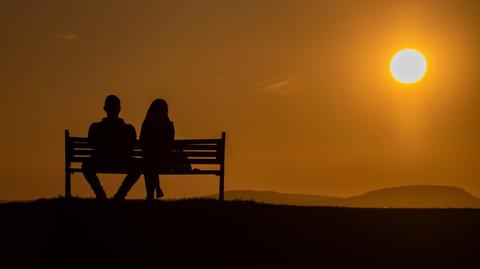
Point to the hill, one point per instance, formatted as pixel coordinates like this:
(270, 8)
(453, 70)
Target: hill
(415, 196)
(208, 234)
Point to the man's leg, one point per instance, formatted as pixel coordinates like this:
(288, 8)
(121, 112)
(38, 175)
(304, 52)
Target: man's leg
(130, 180)
(92, 179)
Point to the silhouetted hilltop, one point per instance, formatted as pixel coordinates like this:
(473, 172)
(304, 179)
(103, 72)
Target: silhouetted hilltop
(405, 196)
(415, 196)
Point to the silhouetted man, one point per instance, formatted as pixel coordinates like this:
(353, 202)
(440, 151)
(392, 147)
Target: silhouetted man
(113, 141)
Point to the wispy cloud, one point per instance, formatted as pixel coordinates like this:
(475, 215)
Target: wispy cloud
(68, 36)
(280, 86)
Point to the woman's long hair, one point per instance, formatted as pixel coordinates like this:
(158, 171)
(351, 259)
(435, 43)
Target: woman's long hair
(157, 111)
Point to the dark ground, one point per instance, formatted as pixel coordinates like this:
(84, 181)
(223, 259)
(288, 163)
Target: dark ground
(204, 233)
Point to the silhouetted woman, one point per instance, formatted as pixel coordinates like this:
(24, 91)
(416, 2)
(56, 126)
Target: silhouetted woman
(156, 136)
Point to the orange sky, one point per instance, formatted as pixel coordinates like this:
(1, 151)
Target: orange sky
(301, 87)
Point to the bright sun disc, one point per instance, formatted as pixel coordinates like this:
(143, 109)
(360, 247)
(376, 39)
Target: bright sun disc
(408, 66)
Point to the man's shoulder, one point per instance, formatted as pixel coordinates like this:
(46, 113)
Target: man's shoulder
(128, 124)
(100, 126)
(95, 125)
(118, 125)
(130, 127)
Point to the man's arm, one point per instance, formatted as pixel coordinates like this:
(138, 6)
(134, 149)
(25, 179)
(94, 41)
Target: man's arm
(132, 136)
(92, 135)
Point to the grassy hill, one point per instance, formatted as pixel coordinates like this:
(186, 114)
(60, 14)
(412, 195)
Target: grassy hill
(417, 196)
(205, 233)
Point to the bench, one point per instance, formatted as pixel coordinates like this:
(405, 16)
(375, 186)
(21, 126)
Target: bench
(205, 156)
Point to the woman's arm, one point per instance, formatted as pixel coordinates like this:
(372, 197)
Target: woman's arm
(171, 133)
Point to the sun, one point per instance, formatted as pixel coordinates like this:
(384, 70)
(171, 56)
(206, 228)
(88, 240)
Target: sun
(408, 66)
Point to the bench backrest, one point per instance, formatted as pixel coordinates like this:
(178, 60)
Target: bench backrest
(193, 151)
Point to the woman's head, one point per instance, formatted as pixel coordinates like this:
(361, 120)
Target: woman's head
(158, 110)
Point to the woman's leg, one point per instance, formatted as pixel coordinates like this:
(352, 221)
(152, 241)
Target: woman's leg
(158, 190)
(150, 185)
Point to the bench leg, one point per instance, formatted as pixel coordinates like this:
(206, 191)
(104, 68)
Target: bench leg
(68, 184)
(221, 187)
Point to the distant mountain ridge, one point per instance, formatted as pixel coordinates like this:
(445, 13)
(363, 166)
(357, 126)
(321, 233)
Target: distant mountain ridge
(413, 196)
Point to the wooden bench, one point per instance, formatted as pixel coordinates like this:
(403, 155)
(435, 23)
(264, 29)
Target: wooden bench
(206, 157)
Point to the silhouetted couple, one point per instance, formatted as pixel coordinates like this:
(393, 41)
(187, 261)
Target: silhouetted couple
(114, 140)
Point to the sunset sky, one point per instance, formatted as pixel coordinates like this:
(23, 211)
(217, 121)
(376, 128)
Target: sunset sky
(302, 88)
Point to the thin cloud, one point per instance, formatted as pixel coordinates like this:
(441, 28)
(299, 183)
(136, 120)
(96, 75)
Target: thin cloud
(278, 86)
(68, 36)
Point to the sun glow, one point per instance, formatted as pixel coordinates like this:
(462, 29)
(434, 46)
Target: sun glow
(408, 66)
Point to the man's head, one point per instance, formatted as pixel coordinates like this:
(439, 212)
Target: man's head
(112, 106)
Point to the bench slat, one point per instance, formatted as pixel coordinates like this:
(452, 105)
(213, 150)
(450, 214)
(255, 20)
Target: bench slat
(87, 152)
(196, 147)
(214, 154)
(175, 147)
(81, 146)
(197, 141)
(137, 153)
(177, 141)
(78, 139)
(77, 159)
(176, 172)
